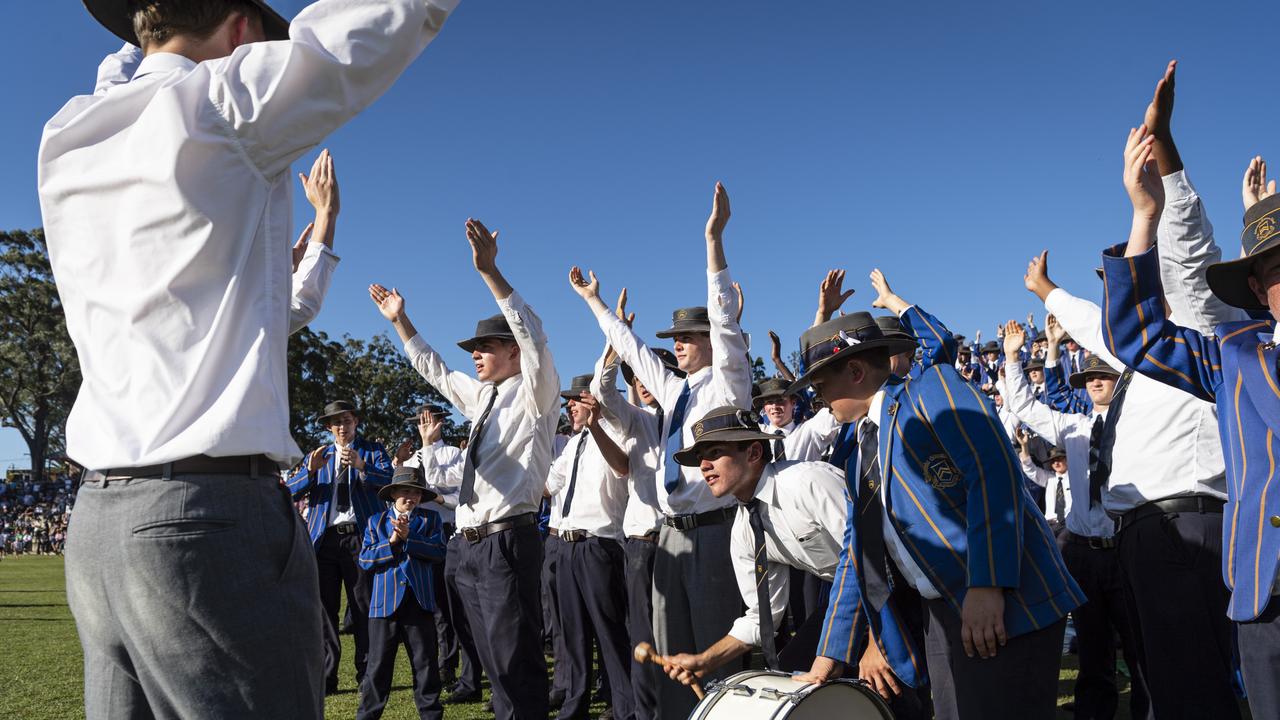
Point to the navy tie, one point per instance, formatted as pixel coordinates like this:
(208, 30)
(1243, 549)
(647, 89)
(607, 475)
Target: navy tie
(870, 519)
(779, 447)
(573, 475)
(844, 446)
(675, 439)
(467, 493)
(344, 487)
(767, 631)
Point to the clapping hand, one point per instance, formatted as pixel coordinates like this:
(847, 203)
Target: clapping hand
(1256, 187)
(831, 295)
(317, 459)
(719, 213)
(399, 530)
(390, 303)
(1036, 279)
(585, 289)
(1141, 176)
(321, 186)
(1014, 337)
(484, 246)
(350, 457)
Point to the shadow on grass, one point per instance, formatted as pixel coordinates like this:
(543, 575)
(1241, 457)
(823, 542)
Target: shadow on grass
(31, 605)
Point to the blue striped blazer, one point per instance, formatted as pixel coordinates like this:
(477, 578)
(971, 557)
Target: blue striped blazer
(318, 486)
(1236, 369)
(406, 564)
(954, 494)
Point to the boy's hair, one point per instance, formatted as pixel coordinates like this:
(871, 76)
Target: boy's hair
(159, 21)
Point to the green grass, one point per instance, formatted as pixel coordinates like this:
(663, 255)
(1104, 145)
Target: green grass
(41, 667)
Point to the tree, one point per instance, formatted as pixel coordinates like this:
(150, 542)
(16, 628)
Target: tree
(39, 370)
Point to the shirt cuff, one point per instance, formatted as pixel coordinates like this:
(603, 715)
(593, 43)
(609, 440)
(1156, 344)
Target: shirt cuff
(745, 631)
(1054, 299)
(511, 304)
(313, 249)
(722, 295)
(1177, 188)
(416, 346)
(904, 311)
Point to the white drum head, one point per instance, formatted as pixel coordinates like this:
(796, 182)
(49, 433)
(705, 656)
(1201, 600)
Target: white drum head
(766, 695)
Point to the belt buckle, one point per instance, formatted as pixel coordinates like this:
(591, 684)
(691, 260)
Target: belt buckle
(1102, 543)
(684, 523)
(569, 536)
(471, 534)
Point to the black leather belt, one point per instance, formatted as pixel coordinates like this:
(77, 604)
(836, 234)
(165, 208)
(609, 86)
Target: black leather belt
(1189, 504)
(572, 536)
(251, 465)
(553, 532)
(689, 522)
(649, 537)
(1094, 543)
(344, 528)
(480, 532)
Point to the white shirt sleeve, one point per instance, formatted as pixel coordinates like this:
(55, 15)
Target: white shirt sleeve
(1083, 322)
(1037, 475)
(742, 551)
(541, 382)
(117, 68)
(1044, 420)
(558, 477)
(461, 390)
(731, 367)
(812, 437)
(648, 367)
(310, 285)
(284, 97)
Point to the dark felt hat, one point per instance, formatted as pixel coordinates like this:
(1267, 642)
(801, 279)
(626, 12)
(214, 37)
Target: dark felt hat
(1230, 280)
(687, 320)
(1041, 337)
(991, 346)
(1093, 365)
(841, 337)
(577, 386)
(770, 389)
(1034, 364)
(891, 326)
(668, 359)
(435, 410)
(337, 407)
(1056, 453)
(490, 327)
(406, 477)
(723, 424)
(117, 16)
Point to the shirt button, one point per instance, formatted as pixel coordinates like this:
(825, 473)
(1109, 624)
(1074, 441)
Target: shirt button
(401, 582)
(1275, 521)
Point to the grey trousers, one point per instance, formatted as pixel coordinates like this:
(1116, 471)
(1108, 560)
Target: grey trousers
(194, 597)
(695, 601)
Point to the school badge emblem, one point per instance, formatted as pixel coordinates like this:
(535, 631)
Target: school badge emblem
(940, 472)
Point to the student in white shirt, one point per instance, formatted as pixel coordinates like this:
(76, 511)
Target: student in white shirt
(513, 406)
(166, 203)
(694, 602)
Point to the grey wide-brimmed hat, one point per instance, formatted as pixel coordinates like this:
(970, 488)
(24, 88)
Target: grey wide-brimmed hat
(668, 359)
(1034, 363)
(337, 407)
(435, 410)
(770, 389)
(490, 327)
(577, 386)
(409, 478)
(723, 424)
(1093, 365)
(991, 346)
(1230, 280)
(891, 326)
(841, 337)
(687, 320)
(117, 16)
(1056, 453)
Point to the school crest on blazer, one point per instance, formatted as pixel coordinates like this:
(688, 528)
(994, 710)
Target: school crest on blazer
(940, 472)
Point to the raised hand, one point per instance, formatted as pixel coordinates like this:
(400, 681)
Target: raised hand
(719, 213)
(300, 247)
(1157, 120)
(321, 186)
(403, 452)
(885, 297)
(1014, 338)
(1256, 187)
(585, 289)
(831, 295)
(1036, 278)
(593, 408)
(776, 355)
(316, 459)
(1053, 331)
(1141, 176)
(484, 246)
(621, 309)
(390, 303)
(399, 530)
(430, 428)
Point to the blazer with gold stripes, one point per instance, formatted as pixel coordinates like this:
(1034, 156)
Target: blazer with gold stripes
(404, 564)
(1235, 369)
(956, 498)
(318, 486)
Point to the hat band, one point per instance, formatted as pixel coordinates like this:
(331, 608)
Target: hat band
(740, 420)
(838, 342)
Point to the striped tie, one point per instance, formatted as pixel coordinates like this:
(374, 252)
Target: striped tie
(767, 632)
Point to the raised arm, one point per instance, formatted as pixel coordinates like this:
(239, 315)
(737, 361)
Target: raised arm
(831, 295)
(1044, 420)
(731, 366)
(117, 68)
(936, 341)
(282, 98)
(313, 258)
(775, 353)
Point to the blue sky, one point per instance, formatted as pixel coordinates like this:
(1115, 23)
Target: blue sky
(945, 143)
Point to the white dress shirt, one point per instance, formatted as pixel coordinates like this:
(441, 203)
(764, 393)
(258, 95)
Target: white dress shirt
(813, 437)
(804, 507)
(349, 475)
(1050, 481)
(637, 428)
(599, 494)
(515, 449)
(1071, 432)
(727, 381)
(442, 459)
(1167, 442)
(166, 199)
(893, 543)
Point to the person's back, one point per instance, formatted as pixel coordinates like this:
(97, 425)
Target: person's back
(166, 204)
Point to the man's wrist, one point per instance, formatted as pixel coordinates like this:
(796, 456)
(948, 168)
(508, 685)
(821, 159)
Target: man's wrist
(1042, 288)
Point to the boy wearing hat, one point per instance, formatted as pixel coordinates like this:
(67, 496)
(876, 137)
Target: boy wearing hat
(792, 441)
(1234, 367)
(789, 515)
(401, 545)
(694, 598)
(190, 155)
(341, 481)
(1087, 537)
(938, 520)
(513, 405)
(1052, 479)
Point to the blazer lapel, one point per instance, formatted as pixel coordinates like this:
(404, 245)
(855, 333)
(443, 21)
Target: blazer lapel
(888, 422)
(1257, 364)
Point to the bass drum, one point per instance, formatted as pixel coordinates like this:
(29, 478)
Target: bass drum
(768, 695)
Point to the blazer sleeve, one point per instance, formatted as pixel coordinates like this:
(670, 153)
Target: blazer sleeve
(845, 618)
(975, 441)
(937, 342)
(376, 551)
(1137, 331)
(377, 466)
(426, 538)
(302, 480)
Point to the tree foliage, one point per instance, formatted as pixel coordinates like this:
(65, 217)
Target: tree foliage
(39, 370)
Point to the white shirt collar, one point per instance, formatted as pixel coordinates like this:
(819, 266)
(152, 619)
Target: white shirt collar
(764, 488)
(877, 404)
(163, 62)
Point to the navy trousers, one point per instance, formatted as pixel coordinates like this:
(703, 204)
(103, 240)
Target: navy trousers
(639, 579)
(593, 607)
(414, 628)
(552, 633)
(498, 581)
(1260, 661)
(336, 568)
(468, 655)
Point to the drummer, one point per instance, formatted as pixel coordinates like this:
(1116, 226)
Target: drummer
(789, 514)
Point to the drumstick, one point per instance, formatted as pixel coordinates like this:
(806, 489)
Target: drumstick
(644, 653)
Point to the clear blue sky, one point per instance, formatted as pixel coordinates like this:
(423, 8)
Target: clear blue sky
(945, 143)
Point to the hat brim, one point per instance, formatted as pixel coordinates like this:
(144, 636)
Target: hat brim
(693, 328)
(758, 402)
(114, 16)
(1229, 281)
(574, 394)
(470, 344)
(384, 492)
(322, 418)
(893, 344)
(1077, 379)
(688, 457)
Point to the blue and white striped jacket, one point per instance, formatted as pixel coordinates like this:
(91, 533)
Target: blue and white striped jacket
(406, 564)
(319, 486)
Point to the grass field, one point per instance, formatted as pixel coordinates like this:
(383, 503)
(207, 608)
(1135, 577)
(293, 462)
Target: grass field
(41, 668)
